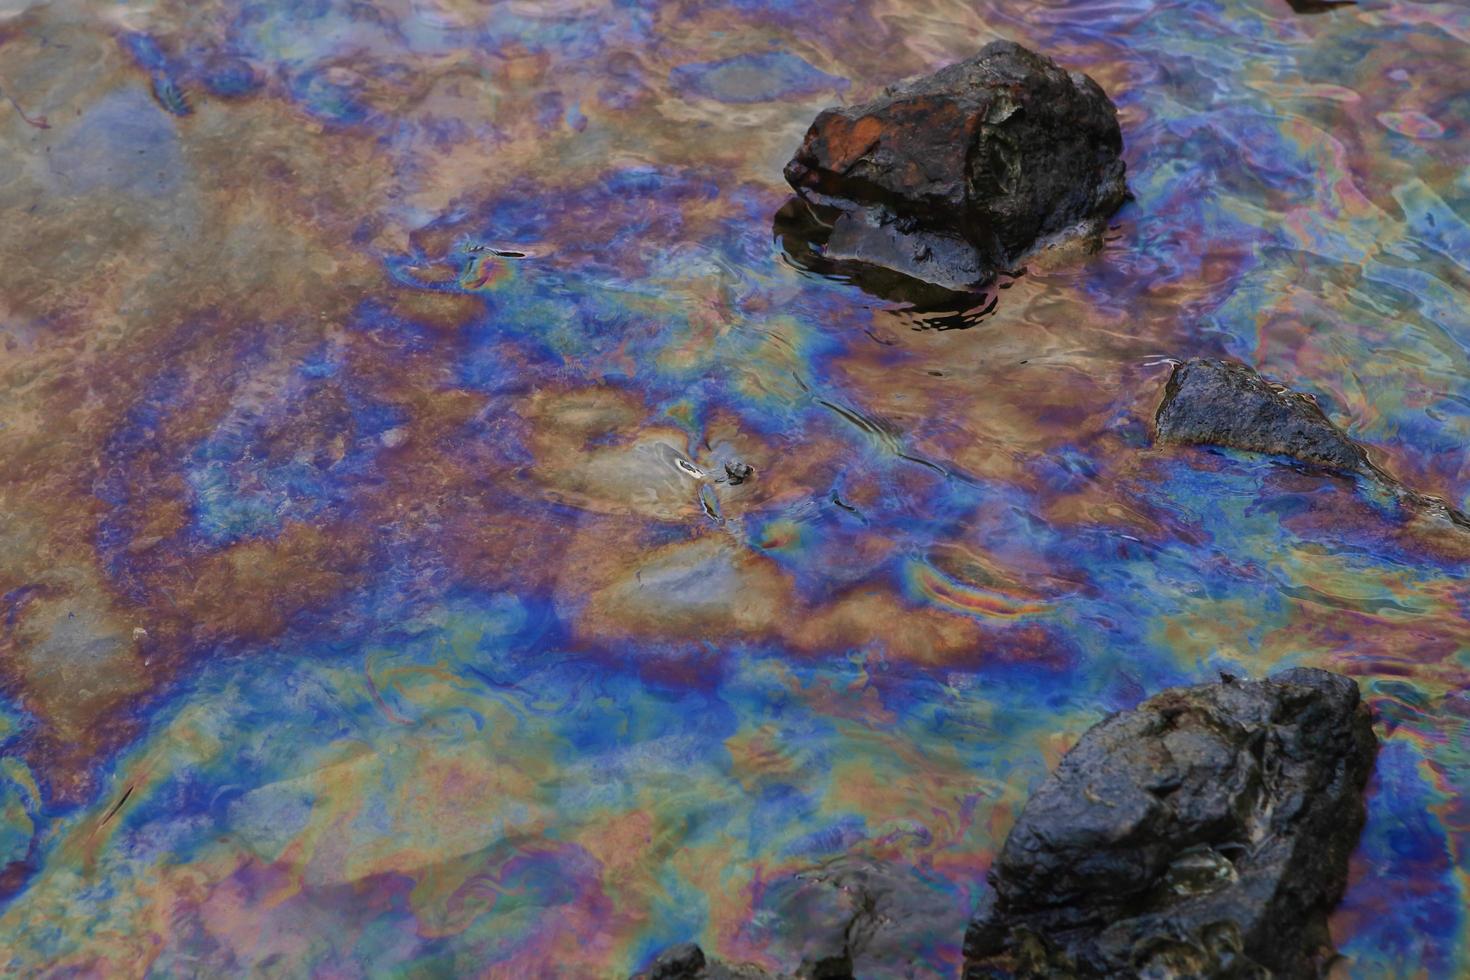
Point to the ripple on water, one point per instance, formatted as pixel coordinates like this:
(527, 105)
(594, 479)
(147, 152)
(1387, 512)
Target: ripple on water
(374, 597)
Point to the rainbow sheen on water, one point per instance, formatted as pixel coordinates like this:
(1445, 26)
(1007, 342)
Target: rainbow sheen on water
(373, 600)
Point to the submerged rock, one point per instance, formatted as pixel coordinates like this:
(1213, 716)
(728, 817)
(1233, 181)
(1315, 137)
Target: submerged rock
(677, 963)
(1214, 402)
(688, 962)
(849, 917)
(1205, 833)
(864, 918)
(738, 473)
(956, 177)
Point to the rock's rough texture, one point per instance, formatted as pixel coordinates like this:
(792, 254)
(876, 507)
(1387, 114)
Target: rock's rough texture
(850, 917)
(688, 962)
(1206, 833)
(959, 175)
(1213, 402)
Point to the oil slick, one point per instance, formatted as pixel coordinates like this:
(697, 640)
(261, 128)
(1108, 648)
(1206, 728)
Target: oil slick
(397, 392)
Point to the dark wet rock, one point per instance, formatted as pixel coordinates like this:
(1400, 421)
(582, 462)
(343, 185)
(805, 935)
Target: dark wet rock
(683, 961)
(1214, 402)
(849, 917)
(738, 473)
(1318, 6)
(956, 177)
(1204, 834)
(688, 962)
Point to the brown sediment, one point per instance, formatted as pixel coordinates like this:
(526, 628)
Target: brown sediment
(128, 306)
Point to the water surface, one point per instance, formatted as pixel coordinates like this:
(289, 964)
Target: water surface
(372, 597)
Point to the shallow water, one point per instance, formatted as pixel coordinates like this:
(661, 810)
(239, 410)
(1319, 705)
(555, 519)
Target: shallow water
(371, 601)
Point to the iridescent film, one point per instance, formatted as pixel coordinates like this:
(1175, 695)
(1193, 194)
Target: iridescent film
(375, 600)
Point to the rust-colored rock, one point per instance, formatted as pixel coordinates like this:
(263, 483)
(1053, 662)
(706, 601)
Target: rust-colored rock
(956, 177)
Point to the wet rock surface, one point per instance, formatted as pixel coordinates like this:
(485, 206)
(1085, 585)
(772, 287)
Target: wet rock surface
(688, 962)
(1216, 402)
(1205, 833)
(857, 918)
(957, 176)
(738, 473)
(1213, 402)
